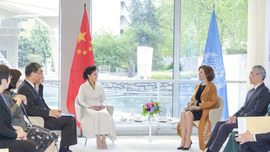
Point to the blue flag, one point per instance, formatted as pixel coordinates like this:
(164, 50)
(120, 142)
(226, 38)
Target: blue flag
(213, 57)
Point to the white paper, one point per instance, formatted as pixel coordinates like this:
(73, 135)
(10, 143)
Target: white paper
(242, 125)
(68, 114)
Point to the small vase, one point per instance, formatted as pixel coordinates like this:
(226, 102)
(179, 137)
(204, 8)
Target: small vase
(151, 118)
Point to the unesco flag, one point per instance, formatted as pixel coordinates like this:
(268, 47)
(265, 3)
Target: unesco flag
(213, 57)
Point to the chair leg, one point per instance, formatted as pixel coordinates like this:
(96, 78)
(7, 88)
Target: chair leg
(85, 142)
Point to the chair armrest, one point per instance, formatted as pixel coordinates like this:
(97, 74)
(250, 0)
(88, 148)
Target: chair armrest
(196, 123)
(79, 112)
(110, 109)
(215, 115)
(36, 120)
(17, 128)
(3, 149)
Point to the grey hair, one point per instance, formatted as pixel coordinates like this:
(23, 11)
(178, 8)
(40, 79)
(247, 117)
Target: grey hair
(260, 70)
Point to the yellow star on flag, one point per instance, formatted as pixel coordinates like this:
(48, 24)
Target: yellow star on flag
(90, 48)
(90, 42)
(84, 52)
(81, 36)
(79, 51)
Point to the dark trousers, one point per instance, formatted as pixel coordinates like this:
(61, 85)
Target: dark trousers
(67, 125)
(219, 135)
(21, 146)
(254, 147)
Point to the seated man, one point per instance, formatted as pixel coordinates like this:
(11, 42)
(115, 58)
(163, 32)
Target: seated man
(253, 142)
(37, 107)
(256, 104)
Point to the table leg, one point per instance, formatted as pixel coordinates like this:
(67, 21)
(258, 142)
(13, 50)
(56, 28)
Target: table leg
(150, 133)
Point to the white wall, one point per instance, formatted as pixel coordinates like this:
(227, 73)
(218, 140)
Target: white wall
(106, 16)
(72, 14)
(267, 44)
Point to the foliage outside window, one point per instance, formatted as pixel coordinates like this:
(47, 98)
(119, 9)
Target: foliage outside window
(154, 19)
(34, 44)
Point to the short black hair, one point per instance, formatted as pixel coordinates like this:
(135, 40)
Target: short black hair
(4, 72)
(16, 74)
(88, 71)
(31, 67)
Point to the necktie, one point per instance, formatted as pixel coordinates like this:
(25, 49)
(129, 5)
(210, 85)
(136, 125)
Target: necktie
(37, 92)
(251, 92)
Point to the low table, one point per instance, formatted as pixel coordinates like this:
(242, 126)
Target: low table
(145, 121)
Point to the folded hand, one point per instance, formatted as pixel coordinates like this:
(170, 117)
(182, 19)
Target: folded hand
(231, 119)
(192, 107)
(245, 137)
(97, 108)
(21, 135)
(55, 113)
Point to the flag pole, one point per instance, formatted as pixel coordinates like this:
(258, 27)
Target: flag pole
(84, 5)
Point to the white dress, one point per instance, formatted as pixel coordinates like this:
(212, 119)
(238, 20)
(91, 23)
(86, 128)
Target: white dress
(95, 122)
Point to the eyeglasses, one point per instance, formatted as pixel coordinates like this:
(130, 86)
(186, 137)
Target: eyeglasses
(10, 76)
(39, 73)
(250, 74)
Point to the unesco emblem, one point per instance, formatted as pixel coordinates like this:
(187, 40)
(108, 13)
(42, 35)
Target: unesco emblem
(213, 60)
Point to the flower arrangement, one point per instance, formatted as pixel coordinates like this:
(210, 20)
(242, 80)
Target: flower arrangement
(151, 108)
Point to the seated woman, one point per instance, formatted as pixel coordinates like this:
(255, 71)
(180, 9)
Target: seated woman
(10, 138)
(41, 137)
(204, 99)
(96, 121)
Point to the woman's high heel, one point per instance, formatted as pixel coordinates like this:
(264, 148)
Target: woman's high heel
(179, 148)
(187, 147)
(104, 147)
(99, 147)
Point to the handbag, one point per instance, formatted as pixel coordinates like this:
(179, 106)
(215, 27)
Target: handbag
(232, 145)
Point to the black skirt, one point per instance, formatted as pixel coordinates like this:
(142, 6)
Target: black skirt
(197, 114)
(41, 137)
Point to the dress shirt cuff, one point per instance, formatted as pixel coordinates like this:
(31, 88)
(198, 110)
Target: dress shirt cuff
(254, 136)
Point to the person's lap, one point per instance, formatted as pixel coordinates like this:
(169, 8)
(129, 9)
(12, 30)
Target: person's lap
(21, 146)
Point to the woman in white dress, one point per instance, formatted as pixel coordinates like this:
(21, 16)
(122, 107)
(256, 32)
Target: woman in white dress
(96, 121)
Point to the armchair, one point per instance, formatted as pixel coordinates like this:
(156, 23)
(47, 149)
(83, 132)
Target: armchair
(214, 114)
(80, 113)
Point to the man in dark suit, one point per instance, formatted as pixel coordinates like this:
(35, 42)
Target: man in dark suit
(253, 142)
(37, 107)
(256, 104)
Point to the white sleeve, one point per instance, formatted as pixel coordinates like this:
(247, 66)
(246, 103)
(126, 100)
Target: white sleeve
(81, 97)
(254, 136)
(103, 97)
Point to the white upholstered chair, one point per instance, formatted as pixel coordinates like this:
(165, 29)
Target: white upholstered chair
(214, 114)
(79, 112)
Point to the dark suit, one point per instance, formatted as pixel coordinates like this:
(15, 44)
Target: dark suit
(255, 105)
(262, 144)
(8, 134)
(36, 106)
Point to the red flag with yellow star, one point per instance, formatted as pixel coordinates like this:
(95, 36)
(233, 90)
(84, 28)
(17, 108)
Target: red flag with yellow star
(83, 57)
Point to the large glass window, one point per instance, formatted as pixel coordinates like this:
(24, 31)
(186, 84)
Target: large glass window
(135, 40)
(134, 26)
(231, 17)
(133, 47)
(133, 44)
(29, 33)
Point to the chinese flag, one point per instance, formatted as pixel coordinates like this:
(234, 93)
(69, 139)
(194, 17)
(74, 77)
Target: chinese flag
(83, 57)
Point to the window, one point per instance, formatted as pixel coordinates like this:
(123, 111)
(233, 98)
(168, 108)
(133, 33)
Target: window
(29, 33)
